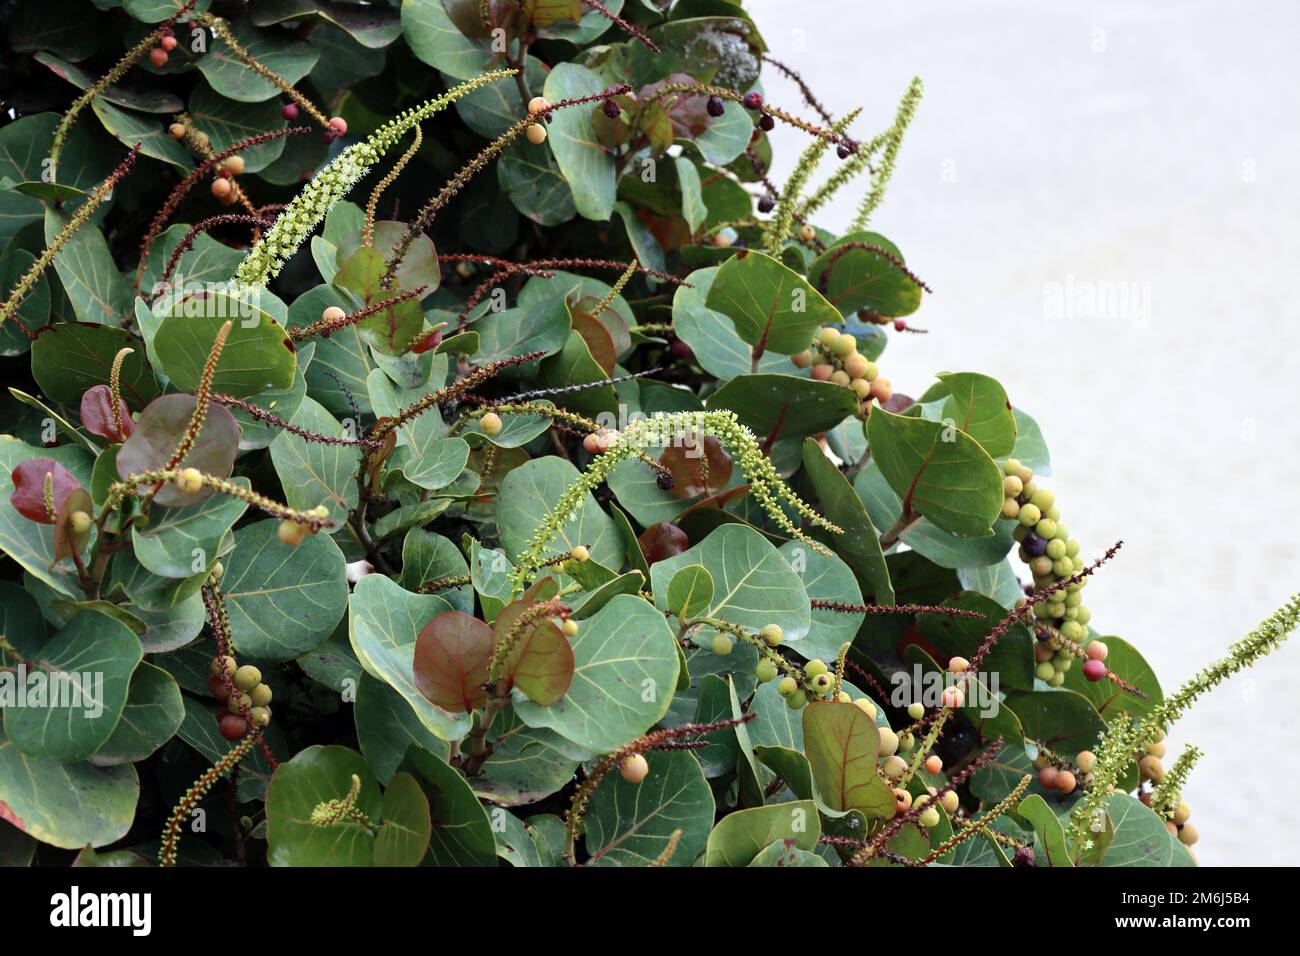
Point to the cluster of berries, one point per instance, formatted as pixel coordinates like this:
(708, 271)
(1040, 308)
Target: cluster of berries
(834, 357)
(1060, 776)
(242, 691)
(1052, 556)
(158, 56)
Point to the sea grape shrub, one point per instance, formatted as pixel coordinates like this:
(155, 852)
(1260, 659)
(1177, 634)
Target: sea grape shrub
(540, 478)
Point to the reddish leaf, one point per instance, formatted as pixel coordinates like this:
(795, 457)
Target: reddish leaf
(159, 431)
(690, 478)
(28, 498)
(661, 541)
(452, 654)
(541, 663)
(599, 342)
(97, 414)
(687, 112)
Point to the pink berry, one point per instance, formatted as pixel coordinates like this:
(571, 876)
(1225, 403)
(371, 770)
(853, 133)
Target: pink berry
(1096, 651)
(899, 325)
(1094, 670)
(339, 125)
(290, 111)
(158, 56)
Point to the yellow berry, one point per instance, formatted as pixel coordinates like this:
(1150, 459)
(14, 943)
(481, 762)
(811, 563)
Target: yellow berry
(569, 627)
(79, 522)
(537, 104)
(189, 480)
(491, 424)
(291, 533)
(634, 768)
(536, 134)
(176, 130)
(260, 695)
(580, 553)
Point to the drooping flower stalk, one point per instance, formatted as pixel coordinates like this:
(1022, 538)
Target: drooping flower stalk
(307, 209)
(368, 231)
(172, 829)
(205, 225)
(191, 434)
(96, 199)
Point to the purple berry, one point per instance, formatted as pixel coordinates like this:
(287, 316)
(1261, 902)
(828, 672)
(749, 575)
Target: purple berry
(753, 100)
(842, 151)
(766, 204)
(611, 109)
(715, 106)
(1034, 545)
(680, 350)
(290, 111)
(766, 122)
(1094, 670)
(1024, 857)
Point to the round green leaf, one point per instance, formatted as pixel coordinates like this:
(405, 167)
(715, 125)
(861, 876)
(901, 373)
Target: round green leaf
(258, 354)
(772, 306)
(630, 824)
(153, 713)
(314, 776)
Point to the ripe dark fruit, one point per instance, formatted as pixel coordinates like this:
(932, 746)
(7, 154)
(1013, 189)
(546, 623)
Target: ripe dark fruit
(766, 123)
(715, 106)
(680, 350)
(842, 151)
(233, 727)
(753, 100)
(611, 109)
(290, 111)
(766, 204)
(1034, 545)
(1024, 857)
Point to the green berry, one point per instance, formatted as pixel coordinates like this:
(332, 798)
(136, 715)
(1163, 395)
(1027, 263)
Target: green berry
(1071, 547)
(1046, 528)
(765, 671)
(1045, 671)
(1073, 631)
(721, 645)
(1043, 498)
(815, 667)
(865, 705)
(260, 695)
(1057, 679)
(1029, 515)
(1010, 508)
(797, 700)
(916, 710)
(845, 345)
(929, 817)
(1012, 466)
(787, 687)
(823, 682)
(906, 742)
(1062, 530)
(1084, 615)
(1012, 486)
(1063, 567)
(771, 634)
(247, 677)
(888, 742)
(1055, 548)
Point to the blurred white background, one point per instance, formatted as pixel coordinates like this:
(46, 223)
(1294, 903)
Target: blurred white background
(1148, 143)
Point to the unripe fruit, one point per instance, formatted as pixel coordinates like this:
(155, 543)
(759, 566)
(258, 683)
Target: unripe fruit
(1029, 515)
(537, 104)
(261, 715)
(1151, 769)
(815, 667)
(1187, 834)
(771, 634)
(723, 240)
(1043, 498)
(888, 742)
(176, 130)
(841, 377)
(950, 802)
(1047, 777)
(856, 365)
(260, 695)
(591, 443)
(802, 359)
(491, 424)
(189, 480)
(958, 665)
(1182, 813)
(872, 373)
(765, 671)
(1011, 486)
(906, 742)
(1045, 671)
(823, 372)
(158, 57)
(828, 335)
(234, 165)
(1094, 670)
(861, 388)
(1010, 507)
(1012, 466)
(787, 686)
(845, 345)
(221, 665)
(238, 703)
(916, 710)
(569, 627)
(721, 645)
(1156, 749)
(1096, 651)
(1085, 760)
(634, 768)
(291, 533)
(807, 233)
(221, 188)
(865, 705)
(933, 764)
(79, 522)
(1055, 549)
(929, 818)
(823, 682)
(952, 697)
(247, 677)
(893, 766)
(797, 700)
(1046, 529)
(232, 726)
(902, 800)
(536, 134)
(1057, 679)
